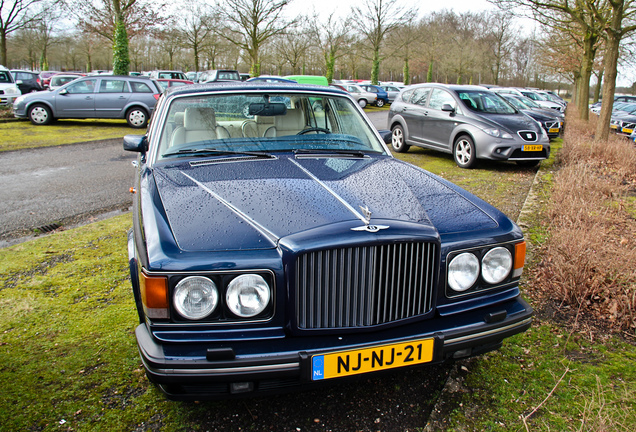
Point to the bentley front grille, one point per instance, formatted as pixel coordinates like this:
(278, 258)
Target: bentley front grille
(364, 286)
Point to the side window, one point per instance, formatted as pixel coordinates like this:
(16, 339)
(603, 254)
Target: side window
(140, 87)
(420, 95)
(113, 86)
(440, 97)
(4, 77)
(87, 86)
(406, 96)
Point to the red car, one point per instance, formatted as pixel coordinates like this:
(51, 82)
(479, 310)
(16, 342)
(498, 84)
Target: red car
(165, 83)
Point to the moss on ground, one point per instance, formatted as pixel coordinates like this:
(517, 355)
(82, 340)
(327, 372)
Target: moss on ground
(18, 135)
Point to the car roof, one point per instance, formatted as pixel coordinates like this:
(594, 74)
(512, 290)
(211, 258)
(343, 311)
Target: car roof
(248, 86)
(455, 87)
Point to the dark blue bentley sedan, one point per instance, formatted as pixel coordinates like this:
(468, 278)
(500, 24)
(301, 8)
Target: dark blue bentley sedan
(271, 251)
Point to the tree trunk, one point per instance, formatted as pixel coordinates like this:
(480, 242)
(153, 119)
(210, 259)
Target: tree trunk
(599, 85)
(614, 35)
(3, 46)
(589, 52)
(375, 68)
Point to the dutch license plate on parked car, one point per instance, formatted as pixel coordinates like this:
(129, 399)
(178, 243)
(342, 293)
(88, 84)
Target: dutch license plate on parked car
(628, 131)
(553, 130)
(353, 362)
(532, 148)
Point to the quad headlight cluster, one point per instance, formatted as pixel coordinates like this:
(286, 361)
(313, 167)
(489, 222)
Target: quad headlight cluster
(198, 297)
(483, 268)
(214, 297)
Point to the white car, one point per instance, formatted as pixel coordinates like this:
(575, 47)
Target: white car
(9, 90)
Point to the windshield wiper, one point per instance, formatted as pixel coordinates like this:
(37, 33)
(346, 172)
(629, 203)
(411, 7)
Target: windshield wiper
(215, 152)
(331, 153)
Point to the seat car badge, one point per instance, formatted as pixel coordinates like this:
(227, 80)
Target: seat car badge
(367, 221)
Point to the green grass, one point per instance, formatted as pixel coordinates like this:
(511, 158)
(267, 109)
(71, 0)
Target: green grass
(546, 379)
(18, 135)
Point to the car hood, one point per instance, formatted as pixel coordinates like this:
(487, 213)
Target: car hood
(222, 204)
(511, 122)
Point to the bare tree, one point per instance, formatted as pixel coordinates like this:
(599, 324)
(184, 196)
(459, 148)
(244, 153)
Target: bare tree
(403, 42)
(332, 38)
(250, 24)
(291, 48)
(501, 39)
(374, 19)
(19, 14)
(616, 24)
(198, 24)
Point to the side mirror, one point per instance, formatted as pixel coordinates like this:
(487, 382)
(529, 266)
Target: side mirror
(448, 108)
(19, 82)
(386, 135)
(62, 92)
(135, 143)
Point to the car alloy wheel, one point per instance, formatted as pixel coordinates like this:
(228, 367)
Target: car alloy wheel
(464, 152)
(398, 141)
(362, 103)
(40, 115)
(137, 118)
(380, 103)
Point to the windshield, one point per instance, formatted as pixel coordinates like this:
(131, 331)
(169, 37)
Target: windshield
(517, 103)
(485, 102)
(266, 123)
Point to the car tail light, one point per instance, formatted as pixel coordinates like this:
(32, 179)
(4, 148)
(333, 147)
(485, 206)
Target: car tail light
(520, 259)
(157, 96)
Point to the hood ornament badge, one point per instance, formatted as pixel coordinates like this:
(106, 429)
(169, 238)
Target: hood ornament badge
(366, 213)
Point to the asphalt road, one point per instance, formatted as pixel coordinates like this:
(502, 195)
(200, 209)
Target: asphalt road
(69, 185)
(63, 185)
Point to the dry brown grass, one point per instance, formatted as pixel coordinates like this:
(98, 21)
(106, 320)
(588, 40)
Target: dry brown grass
(590, 258)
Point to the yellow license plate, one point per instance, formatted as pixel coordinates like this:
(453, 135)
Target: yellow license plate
(613, 126)
(554, 130)
(532, 148)
(354, 362)
(625, 130)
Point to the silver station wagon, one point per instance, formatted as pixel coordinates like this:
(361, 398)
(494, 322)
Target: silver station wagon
(103, 96)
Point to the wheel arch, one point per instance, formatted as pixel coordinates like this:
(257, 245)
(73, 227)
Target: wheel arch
(40, 102)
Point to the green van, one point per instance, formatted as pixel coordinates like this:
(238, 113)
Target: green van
(309, 79)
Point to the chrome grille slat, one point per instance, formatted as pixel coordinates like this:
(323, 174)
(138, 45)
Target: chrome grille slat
(364, 286)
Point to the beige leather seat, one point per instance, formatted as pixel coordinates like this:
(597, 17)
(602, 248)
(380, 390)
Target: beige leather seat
(199, 124)
(289, 124)
(257, 127)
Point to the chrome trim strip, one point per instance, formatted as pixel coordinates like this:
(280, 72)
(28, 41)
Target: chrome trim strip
(487, 333)
(273, 238)
(331, 191)
(229, 370)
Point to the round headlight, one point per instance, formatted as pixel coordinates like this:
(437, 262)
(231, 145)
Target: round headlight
(247, 295)
(195, 297)
(463, 271)
(496, 265)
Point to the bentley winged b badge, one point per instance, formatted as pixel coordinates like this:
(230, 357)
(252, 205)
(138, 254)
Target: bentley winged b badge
(366, 213)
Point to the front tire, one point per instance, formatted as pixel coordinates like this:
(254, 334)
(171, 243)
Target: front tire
(398, 140)
(464, 152)
(379, 103)
(362, 103)
(137, 118)
(40, 115)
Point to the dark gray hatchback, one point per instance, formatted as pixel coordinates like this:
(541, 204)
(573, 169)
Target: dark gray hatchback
(100, 96)
(470, 122)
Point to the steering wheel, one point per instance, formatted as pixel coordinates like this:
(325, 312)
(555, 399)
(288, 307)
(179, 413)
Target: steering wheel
(314, 129)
